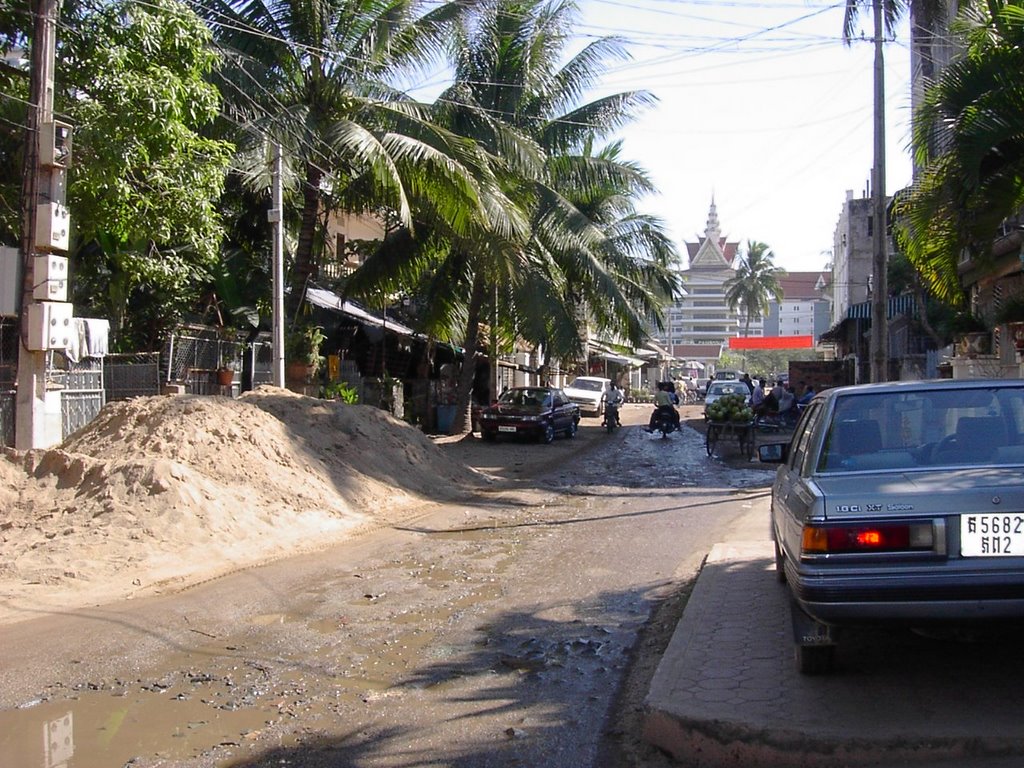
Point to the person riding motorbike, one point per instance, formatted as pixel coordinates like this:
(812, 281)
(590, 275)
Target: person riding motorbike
(664, 405)
(613, 400)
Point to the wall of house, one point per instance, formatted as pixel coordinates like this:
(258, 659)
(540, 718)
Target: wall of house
(851, 264)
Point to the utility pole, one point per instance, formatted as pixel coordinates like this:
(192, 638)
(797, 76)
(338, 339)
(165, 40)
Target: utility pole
(274, 216)
(879, 348)
(46, 317)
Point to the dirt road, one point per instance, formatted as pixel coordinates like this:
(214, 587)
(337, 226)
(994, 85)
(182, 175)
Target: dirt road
(512, 629)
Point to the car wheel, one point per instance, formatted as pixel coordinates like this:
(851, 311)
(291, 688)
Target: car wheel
(814, 659)
(489, 436)
(548, 435)
(570, 432)
(780, 564)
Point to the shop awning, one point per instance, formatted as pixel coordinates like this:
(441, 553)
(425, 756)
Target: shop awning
(328, 300)
(611, 357)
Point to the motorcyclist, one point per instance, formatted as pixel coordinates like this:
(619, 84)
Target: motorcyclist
(613, 400)
(664, 404)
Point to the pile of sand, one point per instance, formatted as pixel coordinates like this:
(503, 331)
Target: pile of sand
(174, 490)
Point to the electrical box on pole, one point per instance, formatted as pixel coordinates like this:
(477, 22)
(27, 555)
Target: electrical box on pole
(55, 144)
(50, 325)
(53, 227)
(10, 284)
(51, 278)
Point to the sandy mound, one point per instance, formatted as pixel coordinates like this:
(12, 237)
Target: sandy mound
(115, 509)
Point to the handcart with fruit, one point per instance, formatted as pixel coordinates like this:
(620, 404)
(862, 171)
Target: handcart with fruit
(730, 418)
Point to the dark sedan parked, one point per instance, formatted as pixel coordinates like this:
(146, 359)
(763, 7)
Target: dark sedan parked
(901, 503)
(538, 412)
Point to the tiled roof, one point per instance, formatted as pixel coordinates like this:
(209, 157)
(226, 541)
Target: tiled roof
(729, 250)
(800, 285)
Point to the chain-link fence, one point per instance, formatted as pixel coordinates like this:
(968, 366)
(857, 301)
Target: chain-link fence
(135, 374)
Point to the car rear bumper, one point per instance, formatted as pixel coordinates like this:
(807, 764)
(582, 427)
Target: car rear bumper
(893, 598)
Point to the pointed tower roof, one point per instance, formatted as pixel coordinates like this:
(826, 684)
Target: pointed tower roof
(712, 252)
(713, 231)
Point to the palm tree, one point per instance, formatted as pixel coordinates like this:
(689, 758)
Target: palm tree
(316, 76)
(755, 282)
(513, 96)
(967, 138)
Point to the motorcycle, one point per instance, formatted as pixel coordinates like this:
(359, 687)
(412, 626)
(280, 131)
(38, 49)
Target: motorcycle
(611, 416)
(775, 422)
(664, 421)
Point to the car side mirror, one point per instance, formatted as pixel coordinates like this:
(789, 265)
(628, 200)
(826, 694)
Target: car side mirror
(773, 453)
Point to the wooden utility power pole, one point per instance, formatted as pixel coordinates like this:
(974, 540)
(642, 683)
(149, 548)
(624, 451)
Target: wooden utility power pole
(879, 348)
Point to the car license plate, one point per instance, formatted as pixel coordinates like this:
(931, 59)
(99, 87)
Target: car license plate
(506, 429)
(992, 535)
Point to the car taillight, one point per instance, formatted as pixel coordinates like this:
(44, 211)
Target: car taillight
(885, 537)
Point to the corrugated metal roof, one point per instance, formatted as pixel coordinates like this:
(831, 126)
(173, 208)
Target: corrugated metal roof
(329, 300)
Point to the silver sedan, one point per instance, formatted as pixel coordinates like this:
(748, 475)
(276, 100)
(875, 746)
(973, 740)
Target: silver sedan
(901, 503)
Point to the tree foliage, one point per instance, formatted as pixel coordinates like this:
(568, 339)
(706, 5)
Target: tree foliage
(755, 282)
(969, 140)
(144, 181)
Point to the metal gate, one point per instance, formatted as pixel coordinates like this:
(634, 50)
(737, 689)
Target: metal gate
(82, 397)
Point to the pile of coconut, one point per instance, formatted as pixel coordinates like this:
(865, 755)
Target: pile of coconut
(176, 489)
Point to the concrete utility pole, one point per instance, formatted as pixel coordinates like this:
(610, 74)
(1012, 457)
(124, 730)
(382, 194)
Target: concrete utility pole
(879, 351)
(274, 216)
(45, 315)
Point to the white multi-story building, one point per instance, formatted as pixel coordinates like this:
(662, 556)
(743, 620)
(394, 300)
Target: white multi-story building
(805, 309)
(700, 322)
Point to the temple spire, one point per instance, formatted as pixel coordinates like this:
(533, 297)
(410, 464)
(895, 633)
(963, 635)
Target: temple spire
(713, 232)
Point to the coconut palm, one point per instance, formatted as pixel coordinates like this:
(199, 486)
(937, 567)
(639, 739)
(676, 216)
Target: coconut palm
(514, 97)
(755, 282)
(317, 76)
(968, 140)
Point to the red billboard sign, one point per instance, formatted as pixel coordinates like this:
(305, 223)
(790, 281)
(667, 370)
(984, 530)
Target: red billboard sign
(771, 342)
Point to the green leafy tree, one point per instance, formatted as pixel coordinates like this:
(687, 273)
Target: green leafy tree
(756, 282)
(967, 137)
(144, 182)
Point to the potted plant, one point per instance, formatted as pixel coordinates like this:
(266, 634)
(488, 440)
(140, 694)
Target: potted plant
(1011, 314)
(227, 364)
(225, 375)
(302, 351)
(970, 334)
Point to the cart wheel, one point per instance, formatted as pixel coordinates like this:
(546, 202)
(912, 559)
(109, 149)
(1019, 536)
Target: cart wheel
(710, 439)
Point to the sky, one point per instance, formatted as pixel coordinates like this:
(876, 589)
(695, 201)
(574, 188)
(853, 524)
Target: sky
(760, 105)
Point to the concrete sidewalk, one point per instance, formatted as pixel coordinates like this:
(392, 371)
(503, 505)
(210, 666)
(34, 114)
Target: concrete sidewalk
(727, 691)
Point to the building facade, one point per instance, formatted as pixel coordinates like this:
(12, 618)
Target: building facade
(851, 260)
(806, 306)
(700, 323)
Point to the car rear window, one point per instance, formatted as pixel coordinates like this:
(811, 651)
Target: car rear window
(593, 386)
(733, 388)
(947, 427)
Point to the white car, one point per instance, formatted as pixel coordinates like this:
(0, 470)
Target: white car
(589, 393)
(722, 387)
